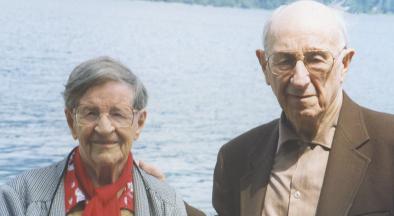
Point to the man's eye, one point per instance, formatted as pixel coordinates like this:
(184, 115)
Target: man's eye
(285, 61)
(316, 59)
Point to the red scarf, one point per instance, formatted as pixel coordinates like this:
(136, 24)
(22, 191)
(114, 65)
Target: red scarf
(102, 201)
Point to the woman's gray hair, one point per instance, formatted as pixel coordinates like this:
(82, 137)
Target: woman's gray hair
(97, 71)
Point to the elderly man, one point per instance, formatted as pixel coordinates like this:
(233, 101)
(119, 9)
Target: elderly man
(325, 155)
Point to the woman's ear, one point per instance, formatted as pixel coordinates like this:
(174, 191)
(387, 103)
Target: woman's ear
(142, 115)
(71, 122)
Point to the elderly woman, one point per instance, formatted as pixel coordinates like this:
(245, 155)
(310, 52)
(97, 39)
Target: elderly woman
(105, 110)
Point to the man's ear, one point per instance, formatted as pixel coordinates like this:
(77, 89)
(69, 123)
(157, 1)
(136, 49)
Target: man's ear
(142, 115)
(347, 58)
(263, 63)
(71, 122)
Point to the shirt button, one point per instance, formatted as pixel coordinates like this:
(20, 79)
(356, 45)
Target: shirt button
(297, 195)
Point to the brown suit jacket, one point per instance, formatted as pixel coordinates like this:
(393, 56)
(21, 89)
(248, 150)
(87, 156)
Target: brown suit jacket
(359, 178)
(191, 211)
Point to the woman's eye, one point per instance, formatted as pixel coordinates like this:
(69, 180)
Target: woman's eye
(91, 114)
(118, 115)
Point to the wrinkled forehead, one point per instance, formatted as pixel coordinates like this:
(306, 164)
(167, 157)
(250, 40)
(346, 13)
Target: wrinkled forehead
(108, 94)
(304, 39)
(305, 25)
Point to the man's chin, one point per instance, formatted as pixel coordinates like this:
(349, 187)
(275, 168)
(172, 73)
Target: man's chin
(300, 115)
(306, 121)
(309, 114)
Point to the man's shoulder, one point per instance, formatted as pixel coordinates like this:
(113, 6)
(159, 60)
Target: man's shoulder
(379, 123)
(252, 137)
(37, 184)
(376, 116)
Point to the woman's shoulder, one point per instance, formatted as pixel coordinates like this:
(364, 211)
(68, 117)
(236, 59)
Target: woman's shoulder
(160, 188)
(160, 196)
(30, 191)
(37, 184)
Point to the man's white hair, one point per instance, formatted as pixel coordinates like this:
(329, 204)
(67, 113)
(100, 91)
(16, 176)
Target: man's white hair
(336, 11)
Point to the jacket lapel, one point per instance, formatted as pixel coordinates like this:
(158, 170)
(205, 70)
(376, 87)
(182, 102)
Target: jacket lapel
(141, 201)
(254, 183)
(58, 203)
(347, 163)
(58, 207)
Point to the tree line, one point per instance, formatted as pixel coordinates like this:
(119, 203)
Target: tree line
(353, 6)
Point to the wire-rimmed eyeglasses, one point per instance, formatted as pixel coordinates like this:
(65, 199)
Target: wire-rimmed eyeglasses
(119, 116)
(316, 61)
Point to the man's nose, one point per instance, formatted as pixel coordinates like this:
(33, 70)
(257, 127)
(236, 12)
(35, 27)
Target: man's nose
(300, 78)
(104, 125)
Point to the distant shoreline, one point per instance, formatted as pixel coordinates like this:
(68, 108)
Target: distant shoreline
(350, 6)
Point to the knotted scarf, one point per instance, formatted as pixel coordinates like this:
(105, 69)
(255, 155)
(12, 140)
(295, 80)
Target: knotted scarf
(103, 201)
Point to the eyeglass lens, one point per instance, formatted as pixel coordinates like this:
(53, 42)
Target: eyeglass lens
(119, 116)
(315, 61)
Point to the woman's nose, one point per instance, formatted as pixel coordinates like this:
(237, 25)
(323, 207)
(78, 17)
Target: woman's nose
(104, 125)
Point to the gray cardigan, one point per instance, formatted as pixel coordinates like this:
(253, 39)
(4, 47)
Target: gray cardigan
(32, 193)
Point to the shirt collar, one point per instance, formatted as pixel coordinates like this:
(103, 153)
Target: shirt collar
(325, 134)
(286, 131)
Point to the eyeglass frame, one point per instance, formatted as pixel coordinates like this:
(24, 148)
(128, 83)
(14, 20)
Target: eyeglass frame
(133, 111)
(303, 57)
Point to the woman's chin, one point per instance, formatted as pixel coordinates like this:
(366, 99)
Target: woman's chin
(107, 159)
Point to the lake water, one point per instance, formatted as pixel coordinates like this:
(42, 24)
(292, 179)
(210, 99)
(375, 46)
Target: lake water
(197, 62)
